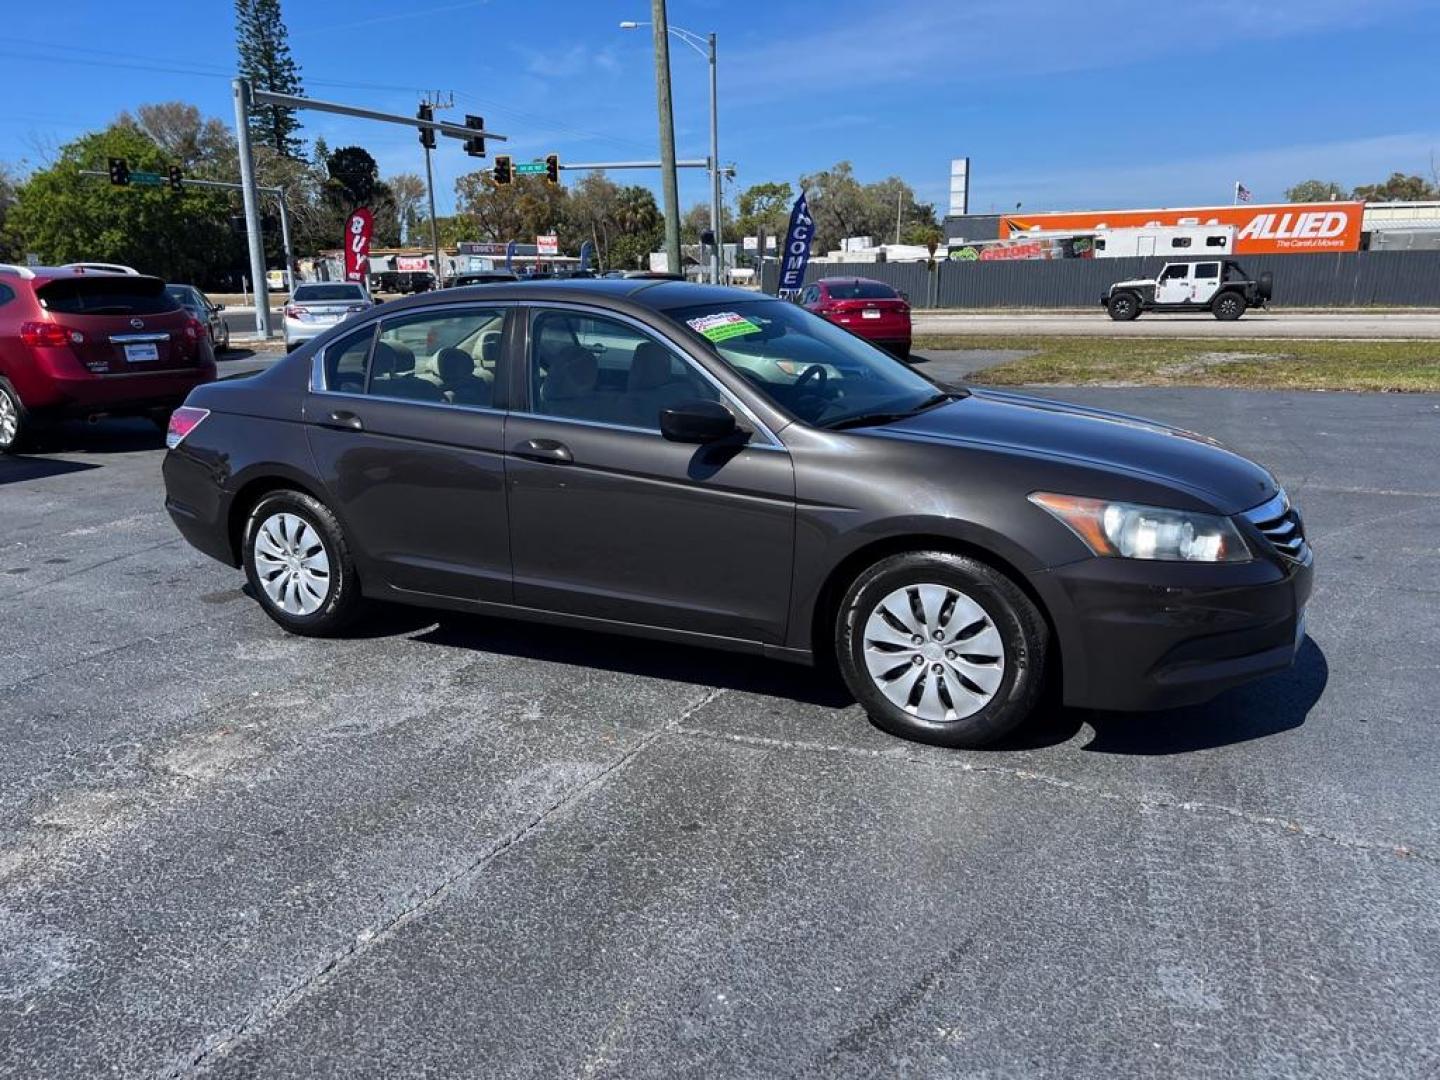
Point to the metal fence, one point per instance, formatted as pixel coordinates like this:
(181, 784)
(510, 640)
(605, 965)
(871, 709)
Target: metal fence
(1341, 279)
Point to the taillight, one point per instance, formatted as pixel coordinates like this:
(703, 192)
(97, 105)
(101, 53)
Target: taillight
(183, 421)
(294, 311)
(48, 334)
(195, 329)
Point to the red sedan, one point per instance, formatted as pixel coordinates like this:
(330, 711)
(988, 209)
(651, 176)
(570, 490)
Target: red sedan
(869, 309)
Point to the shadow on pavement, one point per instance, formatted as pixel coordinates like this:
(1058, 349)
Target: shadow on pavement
(106, 436)
(15, 468)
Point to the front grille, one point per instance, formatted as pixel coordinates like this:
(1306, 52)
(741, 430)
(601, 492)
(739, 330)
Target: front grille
(1281, 524)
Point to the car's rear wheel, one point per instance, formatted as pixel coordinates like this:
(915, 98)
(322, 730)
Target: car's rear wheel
(299, 565)
(1228, 306)
(941, 648)
(12, 420)
(1123, 306)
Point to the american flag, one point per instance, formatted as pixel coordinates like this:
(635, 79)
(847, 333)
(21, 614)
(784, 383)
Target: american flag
(1242, 193)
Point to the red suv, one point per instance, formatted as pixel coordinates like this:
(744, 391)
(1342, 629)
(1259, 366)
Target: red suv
(870, 309)
(80, 343)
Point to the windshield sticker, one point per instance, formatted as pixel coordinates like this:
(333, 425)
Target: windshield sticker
(723, 325)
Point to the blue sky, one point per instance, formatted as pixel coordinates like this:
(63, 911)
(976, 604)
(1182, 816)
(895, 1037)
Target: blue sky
(1059, 103)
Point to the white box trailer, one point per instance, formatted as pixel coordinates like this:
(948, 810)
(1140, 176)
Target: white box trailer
(1170, 241)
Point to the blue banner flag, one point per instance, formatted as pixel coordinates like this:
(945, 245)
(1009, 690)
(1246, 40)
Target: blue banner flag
(796, 252)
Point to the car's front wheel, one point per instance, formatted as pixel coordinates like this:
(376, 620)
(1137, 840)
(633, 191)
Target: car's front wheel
(299, 565)
(941, 648)
(1123, 306)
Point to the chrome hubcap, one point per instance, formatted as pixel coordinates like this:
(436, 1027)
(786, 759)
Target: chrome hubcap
(9, 420)
(292, 564)
(934, 652)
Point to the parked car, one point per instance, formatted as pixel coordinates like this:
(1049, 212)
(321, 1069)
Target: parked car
(198, 304)
(871, 309)
(76, 343)
(691, 463)
(316, 306)
(479, 277)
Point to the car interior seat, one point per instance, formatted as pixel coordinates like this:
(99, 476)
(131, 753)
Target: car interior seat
(653, 386)
(393, 368)
(459, 380)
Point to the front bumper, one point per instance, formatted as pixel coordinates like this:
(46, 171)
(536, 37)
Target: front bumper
(1138, 635)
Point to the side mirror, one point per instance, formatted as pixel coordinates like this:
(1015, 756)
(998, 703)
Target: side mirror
(218, 307)
(697, 422)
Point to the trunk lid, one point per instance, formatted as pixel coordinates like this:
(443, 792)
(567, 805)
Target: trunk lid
(121, 324)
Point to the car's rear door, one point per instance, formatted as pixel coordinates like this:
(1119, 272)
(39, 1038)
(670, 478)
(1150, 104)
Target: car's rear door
(417, 471)
(610, 520)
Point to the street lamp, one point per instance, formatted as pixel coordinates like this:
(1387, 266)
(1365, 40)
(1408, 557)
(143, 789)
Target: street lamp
(705, 46)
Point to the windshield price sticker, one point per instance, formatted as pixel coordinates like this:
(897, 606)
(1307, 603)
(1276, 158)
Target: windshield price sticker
(723, 325)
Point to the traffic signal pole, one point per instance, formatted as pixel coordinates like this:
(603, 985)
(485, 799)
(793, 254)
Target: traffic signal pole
(251, 198)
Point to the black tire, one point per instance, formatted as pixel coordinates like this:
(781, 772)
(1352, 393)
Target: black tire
(1123, 306)
(902, 351)
(1267, 286)
(1010, 613)
(291, 346)
(1228, 306)
(342, 601)
(14, 420)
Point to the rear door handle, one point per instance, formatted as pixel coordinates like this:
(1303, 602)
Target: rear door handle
(547, 450)
(344, 419)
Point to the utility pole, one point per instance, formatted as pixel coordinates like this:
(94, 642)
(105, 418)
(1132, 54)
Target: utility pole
(427, 139)
(717, 254)
(899, 195)
(241, 90)
(670, 188)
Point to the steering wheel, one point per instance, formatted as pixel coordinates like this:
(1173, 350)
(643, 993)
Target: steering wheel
(814, 373)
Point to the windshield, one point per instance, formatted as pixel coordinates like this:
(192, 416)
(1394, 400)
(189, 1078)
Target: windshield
(809, 367)
(329, 292)
(184, 296)
(860, 290)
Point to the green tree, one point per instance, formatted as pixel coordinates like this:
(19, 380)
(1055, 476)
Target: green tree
(61, 216)
(518, 211)
(7, 199)
(187, 139)
(264, 47)
(843, 207)
(408, 190)
(639, 229)
(1399, 188)
(1314, 191)
(765, 206)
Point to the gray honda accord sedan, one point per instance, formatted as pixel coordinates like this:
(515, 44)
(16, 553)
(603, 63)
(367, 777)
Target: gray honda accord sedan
(707, 466)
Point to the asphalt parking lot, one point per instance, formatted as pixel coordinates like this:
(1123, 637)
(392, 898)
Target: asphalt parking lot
(449, 846)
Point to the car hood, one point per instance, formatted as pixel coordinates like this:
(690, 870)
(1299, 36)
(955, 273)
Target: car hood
(1094, 437)
(1133, 283)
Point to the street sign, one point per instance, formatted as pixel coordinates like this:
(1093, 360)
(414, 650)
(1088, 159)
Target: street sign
(148, 179)
(524, 168)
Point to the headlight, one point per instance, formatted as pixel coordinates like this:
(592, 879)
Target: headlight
(1129, 531)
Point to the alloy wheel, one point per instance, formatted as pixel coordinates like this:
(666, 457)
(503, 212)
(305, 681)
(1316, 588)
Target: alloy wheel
(934, 652)
(9, 419)
(292, 563)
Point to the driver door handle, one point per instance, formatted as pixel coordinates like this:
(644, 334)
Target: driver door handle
(550, 451)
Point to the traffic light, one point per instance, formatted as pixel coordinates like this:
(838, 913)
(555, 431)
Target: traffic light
(177, 178)
(119, 172)
(552, 168)
(475, 146)
(427, 134)
(501, 172)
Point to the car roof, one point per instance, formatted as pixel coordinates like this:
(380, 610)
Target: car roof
(53, 273)
(658, 295)
(850, 280)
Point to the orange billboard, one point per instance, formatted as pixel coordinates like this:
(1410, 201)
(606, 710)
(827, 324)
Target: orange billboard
(1279, 228)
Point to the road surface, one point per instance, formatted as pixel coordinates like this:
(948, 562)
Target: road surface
(1255, 324)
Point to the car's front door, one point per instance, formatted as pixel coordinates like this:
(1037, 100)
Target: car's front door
(609, 519)
(1174, 284)
(407, 432)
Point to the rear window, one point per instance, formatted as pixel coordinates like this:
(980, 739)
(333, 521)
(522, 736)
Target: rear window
(860, 290)
(328, 292)
(109, 294)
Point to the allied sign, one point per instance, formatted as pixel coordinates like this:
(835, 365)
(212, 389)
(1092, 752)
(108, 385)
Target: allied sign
(357, 244)
(796, 253)
(1279, 228)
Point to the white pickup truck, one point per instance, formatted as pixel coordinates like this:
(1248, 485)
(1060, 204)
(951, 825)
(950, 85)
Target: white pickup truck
(1219, 286)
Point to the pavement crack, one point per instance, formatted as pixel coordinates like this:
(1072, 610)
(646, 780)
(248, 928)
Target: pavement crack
(367, 938)
(902, 755)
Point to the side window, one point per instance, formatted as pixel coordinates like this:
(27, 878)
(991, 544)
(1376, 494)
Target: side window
(1210, 271)
(6, 295)
(446, 357)
(1100, 244)
(589, 367)
(1215, 241)
(346, 362)
(1180, 242)
(1175, 271)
